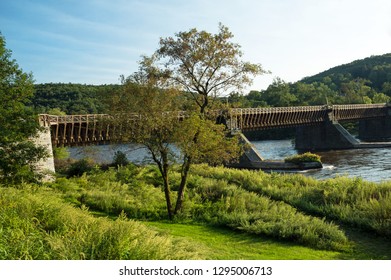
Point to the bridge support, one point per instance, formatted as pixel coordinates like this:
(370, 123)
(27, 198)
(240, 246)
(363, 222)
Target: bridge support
(325, 136)
(375, 130)
(46, 166)
(250, 158)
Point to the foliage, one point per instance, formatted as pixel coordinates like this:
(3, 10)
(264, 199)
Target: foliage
(202, 64)
(58, 98)
(214, 144)
(246, 211)
(355, 202)
(306, 157)
(198, 63)
(136, 192)
(120, 159)
(79, 167)
(36, 224)
(18, 123)
(151, 119)
(39, 223)
(60, 153)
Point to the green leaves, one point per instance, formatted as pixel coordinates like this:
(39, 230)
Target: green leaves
(18, 123)
(205, 64)
(205, 141)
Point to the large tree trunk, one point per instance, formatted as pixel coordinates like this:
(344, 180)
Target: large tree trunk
(166, 187)
(182, 186)
(204, 105)
(164, 168)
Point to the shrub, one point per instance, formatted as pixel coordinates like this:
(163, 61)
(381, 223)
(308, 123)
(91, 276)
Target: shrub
(78, 168)
(60, 153)
(120, 159)
(306, 157)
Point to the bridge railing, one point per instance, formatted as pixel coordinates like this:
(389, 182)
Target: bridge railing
(79, 129)
(71, 130)
(359, 111)
(258, 118)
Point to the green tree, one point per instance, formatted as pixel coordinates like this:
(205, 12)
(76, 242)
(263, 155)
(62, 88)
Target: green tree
(381, 98)
(144, 113)
(279, 94)
(203, 64)
(357, 91)
(386, 88)
(18, 122)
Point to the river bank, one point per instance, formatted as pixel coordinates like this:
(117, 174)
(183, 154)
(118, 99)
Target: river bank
(369, 164)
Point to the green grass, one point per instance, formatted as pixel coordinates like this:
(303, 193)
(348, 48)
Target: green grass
(224, 244)
(227, 214)
(36, 224)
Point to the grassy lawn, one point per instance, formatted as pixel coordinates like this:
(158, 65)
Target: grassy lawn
(225, 244)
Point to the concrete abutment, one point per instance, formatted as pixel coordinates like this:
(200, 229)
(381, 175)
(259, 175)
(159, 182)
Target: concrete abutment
(324, 136)
(45, 166)
(375, 130)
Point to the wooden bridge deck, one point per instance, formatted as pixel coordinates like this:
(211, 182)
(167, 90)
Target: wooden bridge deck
(94, 129)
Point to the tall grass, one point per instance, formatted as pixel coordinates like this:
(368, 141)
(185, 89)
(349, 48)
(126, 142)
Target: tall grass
(137, 192)
(356, 202)
(37, 224)
(132, 190)
(246, 211)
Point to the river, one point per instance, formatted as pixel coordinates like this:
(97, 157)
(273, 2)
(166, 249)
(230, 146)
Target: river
(369, 164)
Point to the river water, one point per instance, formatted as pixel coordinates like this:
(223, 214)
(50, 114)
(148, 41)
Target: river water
(369, 164)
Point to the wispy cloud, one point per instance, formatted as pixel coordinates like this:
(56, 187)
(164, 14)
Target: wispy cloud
(97, 40)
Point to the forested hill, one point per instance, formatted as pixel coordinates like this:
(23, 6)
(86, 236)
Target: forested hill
(362, 81)
(60, 98)
(375, 69)
(366, 80)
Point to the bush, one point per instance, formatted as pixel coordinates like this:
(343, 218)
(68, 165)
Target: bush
(60, 153)
(306, 157)
(78, 168)
(120, 159)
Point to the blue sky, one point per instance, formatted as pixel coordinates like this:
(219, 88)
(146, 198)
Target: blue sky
(96, 41)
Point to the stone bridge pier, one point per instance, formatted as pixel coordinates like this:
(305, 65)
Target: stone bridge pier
(375, 130)
(45, 166)
(324, 136)
(330, 135)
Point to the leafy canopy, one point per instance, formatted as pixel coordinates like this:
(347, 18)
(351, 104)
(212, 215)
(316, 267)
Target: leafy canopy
(202, 64)
(18, 122)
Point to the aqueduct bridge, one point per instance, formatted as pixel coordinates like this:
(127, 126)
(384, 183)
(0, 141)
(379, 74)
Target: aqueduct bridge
(317, 127)
(313, 122)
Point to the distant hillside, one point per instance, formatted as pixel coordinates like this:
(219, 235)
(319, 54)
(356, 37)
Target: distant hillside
(366, 80)
(70, 98)
(376, 69)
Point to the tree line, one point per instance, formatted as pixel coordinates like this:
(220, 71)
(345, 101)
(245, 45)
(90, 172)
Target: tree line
(363, 81)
